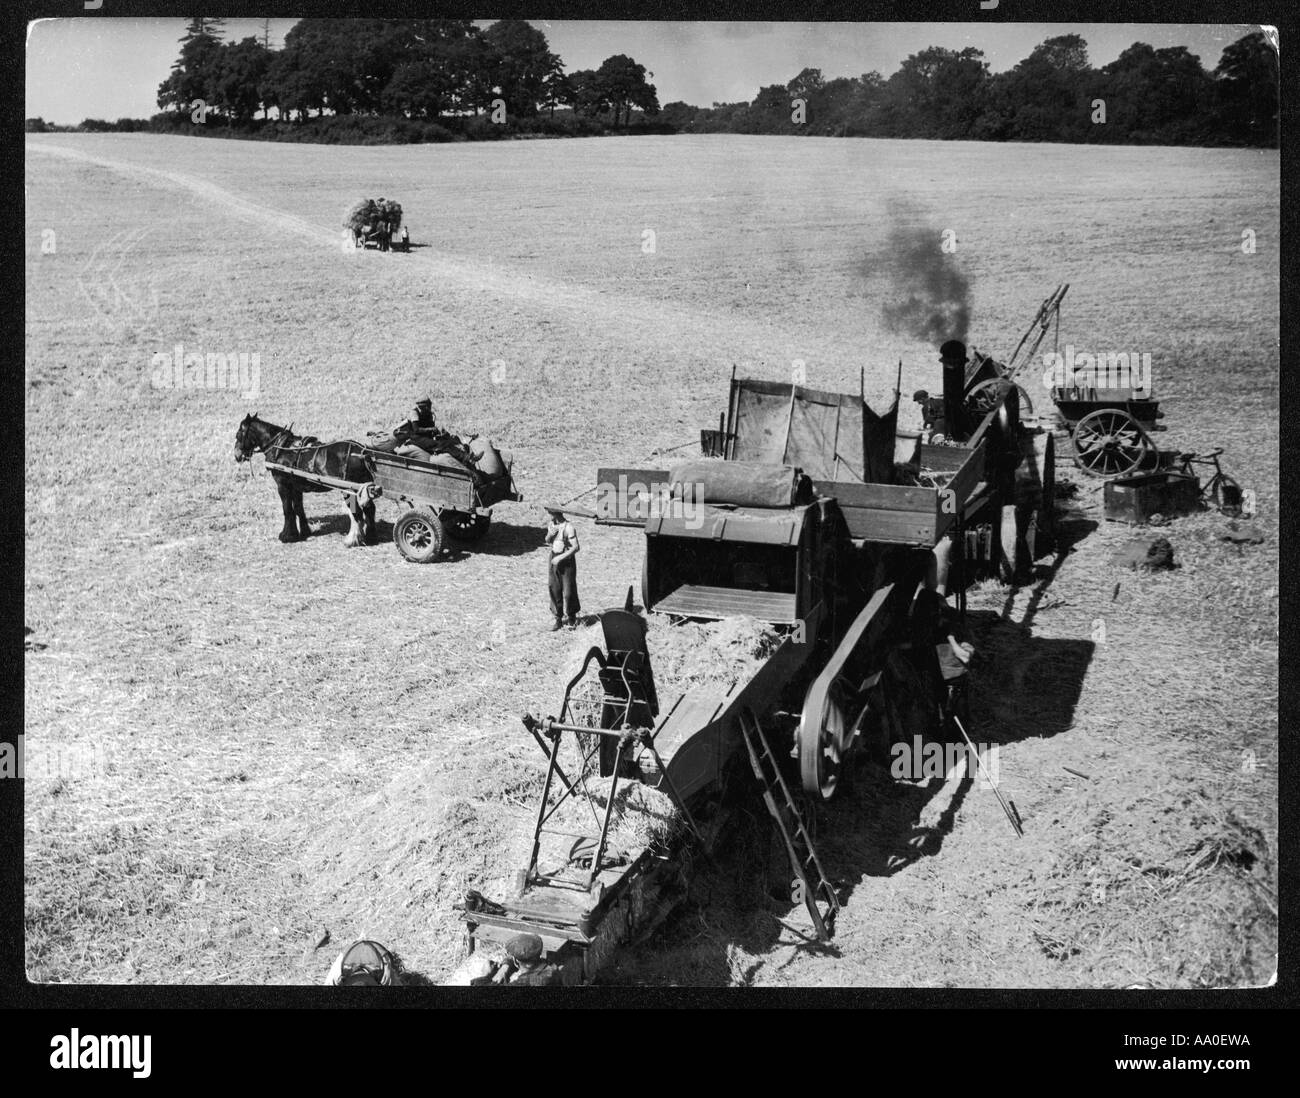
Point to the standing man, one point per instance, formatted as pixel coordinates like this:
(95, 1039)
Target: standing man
(562, 545)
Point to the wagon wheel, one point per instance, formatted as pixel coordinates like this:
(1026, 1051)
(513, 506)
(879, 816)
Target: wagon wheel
(1110, 442)
(985, 396)
(418, 535)
(824, 739)
(465, 527)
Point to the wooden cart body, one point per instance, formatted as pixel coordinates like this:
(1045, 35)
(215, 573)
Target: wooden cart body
(433, 497)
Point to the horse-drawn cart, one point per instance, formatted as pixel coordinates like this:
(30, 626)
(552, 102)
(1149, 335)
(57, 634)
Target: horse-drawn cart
(438, 500)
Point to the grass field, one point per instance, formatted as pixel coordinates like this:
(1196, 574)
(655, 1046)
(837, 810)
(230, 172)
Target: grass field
(230, 741)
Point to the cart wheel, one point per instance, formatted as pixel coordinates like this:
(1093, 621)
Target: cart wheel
(418, 535)
(823, 744)
(983, 397)
(465, 527)
(1109, 443)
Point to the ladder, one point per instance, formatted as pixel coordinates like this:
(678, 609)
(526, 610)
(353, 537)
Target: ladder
(816, 889)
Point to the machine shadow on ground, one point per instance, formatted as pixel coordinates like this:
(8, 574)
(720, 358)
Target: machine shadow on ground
(878, 825)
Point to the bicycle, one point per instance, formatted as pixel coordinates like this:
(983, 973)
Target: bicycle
(1220, 491)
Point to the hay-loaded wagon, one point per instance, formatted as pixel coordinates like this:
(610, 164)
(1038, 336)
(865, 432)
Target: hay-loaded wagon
(438, 498)
(377, 223)
(814, 542)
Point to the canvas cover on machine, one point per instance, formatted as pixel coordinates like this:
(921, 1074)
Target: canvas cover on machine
(830, 436)
(742, 483)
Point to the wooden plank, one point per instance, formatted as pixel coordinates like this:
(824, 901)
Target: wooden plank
(614, 486)
(883, 497)
(719, 602)
(943, 459)
(722, 597)
(968, 476)
(894, 527)
(424, 483)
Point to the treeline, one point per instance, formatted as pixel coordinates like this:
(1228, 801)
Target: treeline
(412, 69)
(376, 81)
(1145, 96)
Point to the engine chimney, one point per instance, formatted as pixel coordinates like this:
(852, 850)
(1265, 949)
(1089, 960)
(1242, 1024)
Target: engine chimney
(953, 356)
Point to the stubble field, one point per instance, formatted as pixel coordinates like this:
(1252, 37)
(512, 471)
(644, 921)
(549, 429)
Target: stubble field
(222, 730)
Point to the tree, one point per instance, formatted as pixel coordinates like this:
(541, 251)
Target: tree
(1155, 96)
(622, 83)
(203, 27)
(936, 93)
(558, 91)
(588, 92)
(290, 84)
(1045, 97)
(521, 64)
(326, 66)
(1246, 90)
(770, 111)
(239, 71)
(680, 115)
(193, 76)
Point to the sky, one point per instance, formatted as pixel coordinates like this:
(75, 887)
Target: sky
(111, 68)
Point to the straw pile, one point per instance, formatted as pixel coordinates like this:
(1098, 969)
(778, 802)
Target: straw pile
(367, 211)
(708, 653)
(684, 656)
(643, 817)
(391, 863)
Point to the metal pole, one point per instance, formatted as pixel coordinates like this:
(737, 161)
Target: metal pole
(1015, 822)
(541, 811)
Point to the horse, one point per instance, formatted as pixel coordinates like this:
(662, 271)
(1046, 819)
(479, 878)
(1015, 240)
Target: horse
(343, 460)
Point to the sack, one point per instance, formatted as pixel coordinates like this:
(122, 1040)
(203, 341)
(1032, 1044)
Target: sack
(362, 964)
(487, 457)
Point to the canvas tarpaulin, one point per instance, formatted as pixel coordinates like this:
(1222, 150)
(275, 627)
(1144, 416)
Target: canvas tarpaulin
(830, 436)
(743, 484)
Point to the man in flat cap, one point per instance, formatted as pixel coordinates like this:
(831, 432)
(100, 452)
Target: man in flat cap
(525, 950)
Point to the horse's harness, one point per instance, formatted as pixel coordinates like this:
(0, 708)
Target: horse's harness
(270, 445)
(302, 444)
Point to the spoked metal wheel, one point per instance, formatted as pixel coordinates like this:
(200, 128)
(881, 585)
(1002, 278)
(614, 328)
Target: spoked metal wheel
(986, 396)
(1109, 443)
(465, 527)
(824, 740)
(1225, 495)
(418, 535)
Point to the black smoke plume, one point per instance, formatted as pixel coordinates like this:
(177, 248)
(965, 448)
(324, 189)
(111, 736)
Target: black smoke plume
(926, 296)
